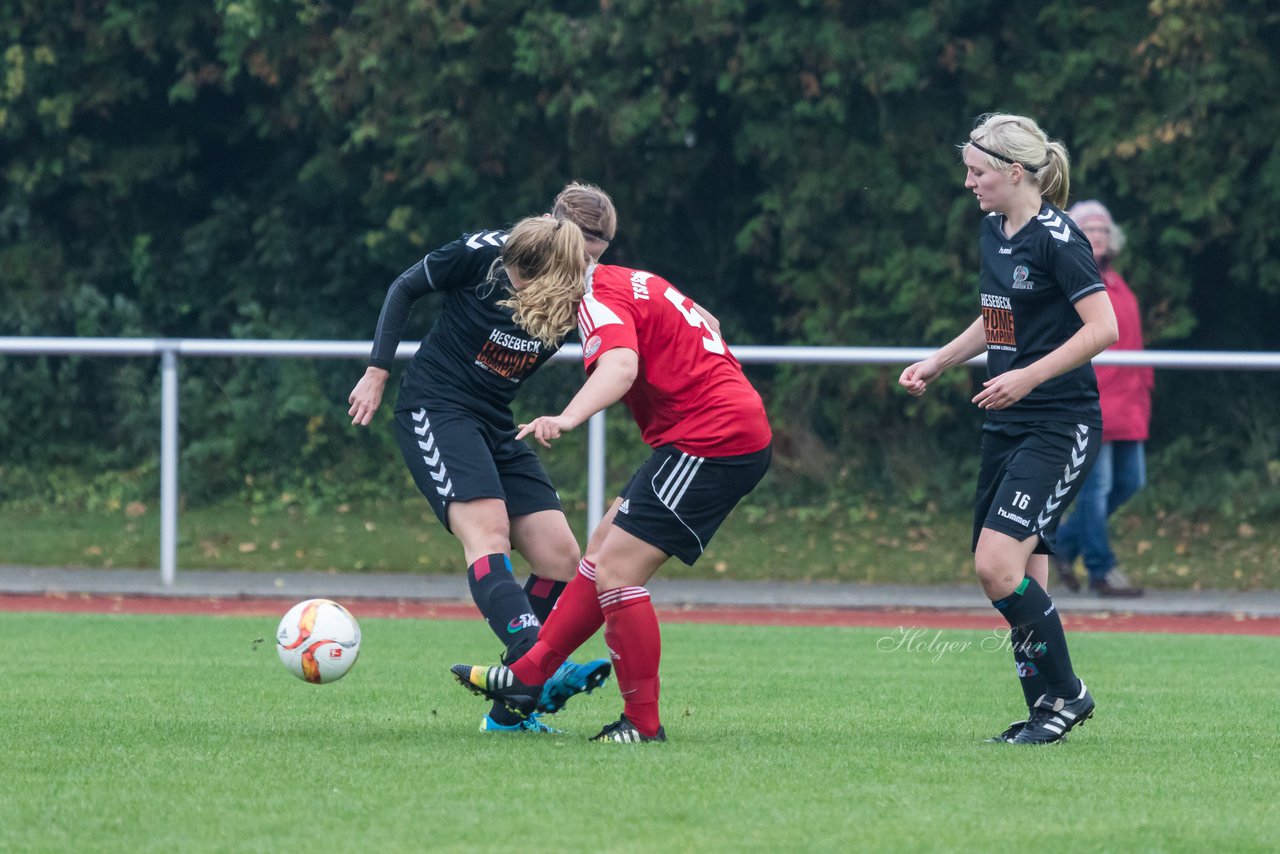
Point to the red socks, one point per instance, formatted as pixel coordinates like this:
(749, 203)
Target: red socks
(630, 631)
(635, 645)
(575, 618)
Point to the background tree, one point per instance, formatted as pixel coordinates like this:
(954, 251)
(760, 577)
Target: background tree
(263, 168)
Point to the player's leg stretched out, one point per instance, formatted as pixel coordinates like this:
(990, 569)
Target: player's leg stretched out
(509, 615)
(542, 679)
(629, 554)
(516, 614)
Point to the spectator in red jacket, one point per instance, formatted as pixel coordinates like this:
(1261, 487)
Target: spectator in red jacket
(1126, 415)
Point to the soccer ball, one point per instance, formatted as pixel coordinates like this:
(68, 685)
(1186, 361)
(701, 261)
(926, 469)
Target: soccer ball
(318, 640)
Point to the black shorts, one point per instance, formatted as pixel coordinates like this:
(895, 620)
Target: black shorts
(1031, 472)
(676, 501)
(454, 456)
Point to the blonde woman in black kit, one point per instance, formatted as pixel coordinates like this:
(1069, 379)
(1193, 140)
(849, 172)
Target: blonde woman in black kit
(456, 431)
(1044, 314)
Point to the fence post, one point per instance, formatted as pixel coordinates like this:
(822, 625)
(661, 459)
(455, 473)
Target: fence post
(595, 472)
(168, 463)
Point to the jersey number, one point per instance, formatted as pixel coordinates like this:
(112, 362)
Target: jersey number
(711, 340)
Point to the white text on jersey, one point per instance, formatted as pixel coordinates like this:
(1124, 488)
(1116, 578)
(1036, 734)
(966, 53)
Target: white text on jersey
(511, 342)
(640, 290)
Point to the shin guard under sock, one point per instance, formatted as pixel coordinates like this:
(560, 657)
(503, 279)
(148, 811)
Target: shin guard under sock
(543, 594)
(574, 620)
(1030, 610)
(1029, 677)
(635, 645)
(503, 604)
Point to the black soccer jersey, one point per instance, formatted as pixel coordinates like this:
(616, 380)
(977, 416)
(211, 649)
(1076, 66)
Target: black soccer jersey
(475, 356)
(1029, 285)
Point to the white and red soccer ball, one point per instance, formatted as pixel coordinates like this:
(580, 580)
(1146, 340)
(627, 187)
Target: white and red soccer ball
(318, 641)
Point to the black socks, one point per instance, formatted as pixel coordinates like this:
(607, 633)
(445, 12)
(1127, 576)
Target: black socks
(514, 613)
(543, 594)
(1029, 677)
(1040, 643)
(504, 605)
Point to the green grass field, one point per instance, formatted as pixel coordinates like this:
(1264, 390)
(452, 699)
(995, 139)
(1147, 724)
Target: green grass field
(133, 733)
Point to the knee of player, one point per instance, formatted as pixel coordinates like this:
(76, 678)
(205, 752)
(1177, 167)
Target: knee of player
(995, 570)
(608, 577)
(561, 561)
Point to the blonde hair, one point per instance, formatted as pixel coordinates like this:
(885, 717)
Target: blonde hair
(549, 256)
(1007, 140)
(588, 207)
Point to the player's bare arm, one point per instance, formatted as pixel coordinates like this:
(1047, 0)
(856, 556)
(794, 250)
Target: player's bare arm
(968, 344)
(1098, 333)
(614, 373)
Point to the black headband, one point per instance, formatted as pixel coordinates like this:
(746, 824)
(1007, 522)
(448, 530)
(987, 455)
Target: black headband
(998, 156)
(591, 232)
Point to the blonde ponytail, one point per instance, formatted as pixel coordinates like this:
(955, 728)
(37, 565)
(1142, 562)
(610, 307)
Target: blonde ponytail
(1007, 139)
(549, 257)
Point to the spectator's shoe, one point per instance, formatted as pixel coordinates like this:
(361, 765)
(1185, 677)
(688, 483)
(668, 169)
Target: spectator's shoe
(500, 685)
(1114, 585)
(1065, 572)
(1053, 717)
(625, 732)
(571, 679)
(533, 724)
(1009, 734)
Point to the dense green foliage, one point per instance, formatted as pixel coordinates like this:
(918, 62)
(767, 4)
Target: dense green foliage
(263, 168)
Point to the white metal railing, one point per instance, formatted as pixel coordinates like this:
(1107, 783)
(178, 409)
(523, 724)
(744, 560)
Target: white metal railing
(169, 350)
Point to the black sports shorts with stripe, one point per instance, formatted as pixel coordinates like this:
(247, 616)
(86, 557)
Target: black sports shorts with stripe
(454, 456)
(1031, 472)
(677, 501)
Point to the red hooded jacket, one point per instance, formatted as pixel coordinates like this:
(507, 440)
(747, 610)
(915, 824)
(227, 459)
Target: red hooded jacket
(1125, 391)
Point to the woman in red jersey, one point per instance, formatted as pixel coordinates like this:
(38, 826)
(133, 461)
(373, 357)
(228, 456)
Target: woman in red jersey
(650, 346)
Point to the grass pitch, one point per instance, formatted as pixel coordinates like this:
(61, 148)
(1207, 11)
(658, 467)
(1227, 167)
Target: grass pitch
(132, 733)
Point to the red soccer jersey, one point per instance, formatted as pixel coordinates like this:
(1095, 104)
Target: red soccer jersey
(690, 391)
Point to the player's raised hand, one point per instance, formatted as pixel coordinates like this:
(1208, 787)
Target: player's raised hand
(366, 397)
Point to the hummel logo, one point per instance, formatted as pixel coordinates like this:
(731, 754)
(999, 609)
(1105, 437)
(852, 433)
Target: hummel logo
(493, 238)
(1012, 517)
(1005, 250)
(1052, 221)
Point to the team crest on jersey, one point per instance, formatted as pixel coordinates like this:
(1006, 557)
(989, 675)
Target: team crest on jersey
(592, 347)
(1020, 281)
